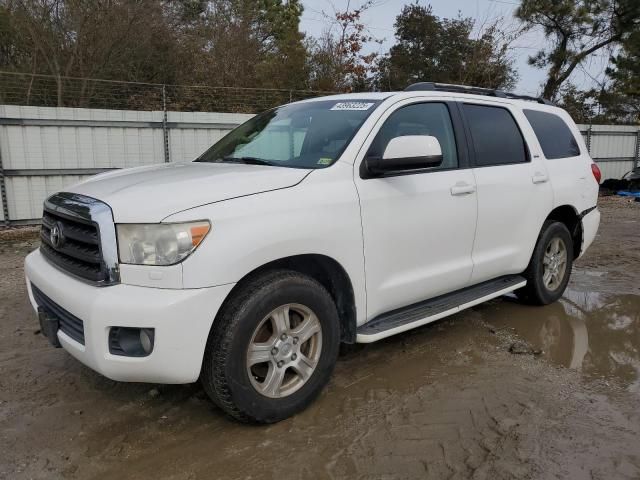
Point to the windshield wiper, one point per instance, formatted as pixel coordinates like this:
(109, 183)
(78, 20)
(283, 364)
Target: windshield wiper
(247, 160)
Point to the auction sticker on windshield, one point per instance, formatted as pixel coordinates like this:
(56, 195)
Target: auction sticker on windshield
(352, 106)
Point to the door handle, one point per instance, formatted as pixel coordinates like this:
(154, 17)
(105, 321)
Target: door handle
(462, 188)
(539, 177)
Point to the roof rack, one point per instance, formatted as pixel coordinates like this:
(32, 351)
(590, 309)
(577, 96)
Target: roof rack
(490, 92)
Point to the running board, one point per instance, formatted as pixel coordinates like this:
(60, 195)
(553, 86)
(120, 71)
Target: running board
(421, 313)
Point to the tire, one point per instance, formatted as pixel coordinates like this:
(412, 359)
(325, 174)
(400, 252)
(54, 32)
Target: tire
(539, 290)
(227, 376)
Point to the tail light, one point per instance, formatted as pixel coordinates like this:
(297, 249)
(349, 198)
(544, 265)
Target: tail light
(597, 174)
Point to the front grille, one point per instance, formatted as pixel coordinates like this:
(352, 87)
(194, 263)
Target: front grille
(69, 324)
(78, 248)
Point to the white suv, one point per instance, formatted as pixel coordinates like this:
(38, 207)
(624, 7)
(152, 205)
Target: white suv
(338, 219)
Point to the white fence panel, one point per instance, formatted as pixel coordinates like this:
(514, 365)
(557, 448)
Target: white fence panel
(615, 169)
(63, 138)
(610, 146)
(26, 194)
(45, 149)
(613, 147)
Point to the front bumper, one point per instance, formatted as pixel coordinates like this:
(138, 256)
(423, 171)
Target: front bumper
(181, 319)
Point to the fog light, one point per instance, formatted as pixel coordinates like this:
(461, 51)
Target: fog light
(131, 342)
(146, 339)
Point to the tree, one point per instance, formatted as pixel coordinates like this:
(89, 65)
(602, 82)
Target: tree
(242, 43)
(622, 100)
(247, 43)
(581, 105)
(124, 40)
(429, 48)
(12, 51)
(336, 59)
(575, 29)
(617, 100)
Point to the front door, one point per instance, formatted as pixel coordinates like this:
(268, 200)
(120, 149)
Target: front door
(418, 226)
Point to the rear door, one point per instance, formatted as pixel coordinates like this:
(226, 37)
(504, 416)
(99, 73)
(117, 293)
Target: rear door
(513, 189)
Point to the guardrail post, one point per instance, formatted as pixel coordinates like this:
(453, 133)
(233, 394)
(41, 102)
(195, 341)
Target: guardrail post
(165, 130)
(3, 195)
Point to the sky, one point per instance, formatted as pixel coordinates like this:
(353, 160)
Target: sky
(380, 20)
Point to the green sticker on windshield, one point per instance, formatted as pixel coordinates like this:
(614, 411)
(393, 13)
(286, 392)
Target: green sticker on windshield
(324, 161)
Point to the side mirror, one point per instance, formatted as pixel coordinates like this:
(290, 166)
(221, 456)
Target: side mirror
(410, 152)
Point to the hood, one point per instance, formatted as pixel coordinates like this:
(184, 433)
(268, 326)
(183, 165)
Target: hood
(149, 194)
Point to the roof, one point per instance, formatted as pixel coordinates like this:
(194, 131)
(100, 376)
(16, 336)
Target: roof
(432, 89)
(488, 92)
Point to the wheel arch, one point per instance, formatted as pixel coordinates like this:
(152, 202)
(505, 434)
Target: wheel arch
(570, 217)
(324, 269)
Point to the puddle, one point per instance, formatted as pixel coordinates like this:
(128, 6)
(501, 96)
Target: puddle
(595, 333)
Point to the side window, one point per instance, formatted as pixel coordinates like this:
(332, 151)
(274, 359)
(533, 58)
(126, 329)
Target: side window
(554, 135)
(420, 119)
(496, 137)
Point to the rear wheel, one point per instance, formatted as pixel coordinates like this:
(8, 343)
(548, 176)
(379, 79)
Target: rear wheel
(550, 266)
(273, 348)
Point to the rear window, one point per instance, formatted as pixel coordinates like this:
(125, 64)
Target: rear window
(496, 137)
(554, 135)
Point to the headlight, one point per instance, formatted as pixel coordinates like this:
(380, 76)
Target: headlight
(159, 243)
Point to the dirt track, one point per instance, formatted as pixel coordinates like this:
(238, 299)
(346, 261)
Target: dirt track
(446, 401)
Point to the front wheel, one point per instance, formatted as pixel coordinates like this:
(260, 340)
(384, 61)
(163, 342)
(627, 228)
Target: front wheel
(550, 266)
(273, 348)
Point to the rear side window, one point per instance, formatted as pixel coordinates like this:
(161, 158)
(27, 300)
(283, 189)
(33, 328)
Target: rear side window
(496, 137)
(554, 135)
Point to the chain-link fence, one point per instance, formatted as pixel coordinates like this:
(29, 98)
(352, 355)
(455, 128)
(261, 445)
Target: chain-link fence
(57, 91)
(41, 170)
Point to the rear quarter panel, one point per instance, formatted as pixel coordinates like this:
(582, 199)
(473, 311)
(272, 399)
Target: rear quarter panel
(571, 178)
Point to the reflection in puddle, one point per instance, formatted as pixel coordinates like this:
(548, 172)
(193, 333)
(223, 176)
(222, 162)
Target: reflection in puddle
(597, 333)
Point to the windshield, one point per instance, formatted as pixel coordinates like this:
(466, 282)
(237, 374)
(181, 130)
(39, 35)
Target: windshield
(306, 135)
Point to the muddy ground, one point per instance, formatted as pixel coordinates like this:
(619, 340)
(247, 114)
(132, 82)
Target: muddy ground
(454, 399)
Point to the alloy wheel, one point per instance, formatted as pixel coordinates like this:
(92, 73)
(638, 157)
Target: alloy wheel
(284, 350)
(554, 263)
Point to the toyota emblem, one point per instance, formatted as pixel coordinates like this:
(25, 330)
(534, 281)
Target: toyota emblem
(55, 235)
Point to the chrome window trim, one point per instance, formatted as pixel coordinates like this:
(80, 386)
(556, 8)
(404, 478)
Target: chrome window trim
(99, 213)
